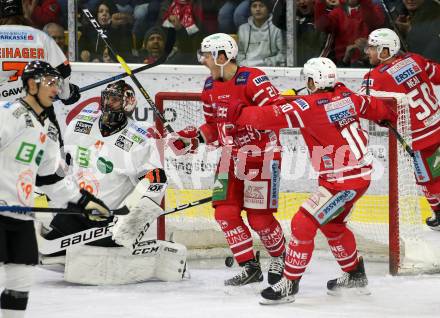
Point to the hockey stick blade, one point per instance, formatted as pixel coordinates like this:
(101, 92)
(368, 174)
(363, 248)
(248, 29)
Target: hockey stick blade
(103, 36)
(93, 234)
(171, 39)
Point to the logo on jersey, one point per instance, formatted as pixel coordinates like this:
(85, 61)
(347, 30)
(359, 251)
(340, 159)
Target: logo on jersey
(333, 207)
(328, 163)
(302, 103)
(86, 118)
(25, 153)
(209, 83)
(7, 105)
(82, 157)
(16, 36)
(83, 127)
(339, 110)
(28, 120)
(19, 111)
(104, 166)
(52, 132)
(123, 143)
(132, 136)
(242, 78)
(275, 185)
(255, 195)
(404, 70)
(368, 82)
(322, 101)
(260, 80)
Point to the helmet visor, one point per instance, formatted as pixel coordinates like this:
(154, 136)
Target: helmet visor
(51, 81)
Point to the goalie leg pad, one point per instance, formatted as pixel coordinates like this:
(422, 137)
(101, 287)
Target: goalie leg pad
(92, 265)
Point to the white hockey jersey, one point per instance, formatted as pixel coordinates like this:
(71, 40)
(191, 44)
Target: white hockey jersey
(28, 148)
(109, 167)
(19, 45)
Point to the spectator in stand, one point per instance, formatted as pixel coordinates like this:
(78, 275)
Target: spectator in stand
(153, 46)
(45, 11)
(350, 23)
(56, 32)
(419, 24)
(260, 43)
(118, 29)
(310, 42)
(233, 14)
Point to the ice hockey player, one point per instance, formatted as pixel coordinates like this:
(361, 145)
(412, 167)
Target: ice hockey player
(21, 43)
(338, 146)
(111, 154)
(410, 77)
(245, 180)
(29, 147)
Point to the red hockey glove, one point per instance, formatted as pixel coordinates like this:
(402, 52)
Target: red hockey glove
(185, 141)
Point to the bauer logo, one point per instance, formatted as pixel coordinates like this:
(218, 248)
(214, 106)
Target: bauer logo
(242, 78)
(260, 80)
(83, 127)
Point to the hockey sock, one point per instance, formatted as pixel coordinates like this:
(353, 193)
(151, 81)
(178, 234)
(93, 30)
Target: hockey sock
(237, 234)
(342, 244)
(270, 232)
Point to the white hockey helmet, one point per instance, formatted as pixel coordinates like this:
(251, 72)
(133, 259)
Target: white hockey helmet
(217, 42)
(384, 38)
(323, 72)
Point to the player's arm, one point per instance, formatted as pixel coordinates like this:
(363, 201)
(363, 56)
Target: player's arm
(433, 70)
(270, 117)
(375, 109)
(260, 91)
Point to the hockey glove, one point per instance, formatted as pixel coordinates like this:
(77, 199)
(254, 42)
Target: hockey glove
(185, 141)
(92, 207)
(74, 95)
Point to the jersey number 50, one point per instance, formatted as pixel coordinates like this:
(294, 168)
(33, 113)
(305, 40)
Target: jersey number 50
(421, 97)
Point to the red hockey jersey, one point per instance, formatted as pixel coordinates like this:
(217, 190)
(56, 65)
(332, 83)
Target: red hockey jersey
(412, 75)
(329, 123)
(250, 86)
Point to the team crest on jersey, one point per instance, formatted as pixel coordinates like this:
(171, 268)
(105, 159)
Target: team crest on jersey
(302, 103)
(83, 127)
(123, 143)
(260, 80)
(242, 78)
(16, 36)
(209, 83)
(340, 110)
(404, 70)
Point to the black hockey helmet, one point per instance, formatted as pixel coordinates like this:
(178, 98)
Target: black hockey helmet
(114, 92)
(37, 70)
(10, 8)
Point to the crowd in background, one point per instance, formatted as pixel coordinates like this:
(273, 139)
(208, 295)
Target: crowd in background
(337, 29)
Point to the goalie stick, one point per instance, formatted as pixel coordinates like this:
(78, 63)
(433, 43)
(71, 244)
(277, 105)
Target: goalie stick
(103, 36)
(90, 235)
(69, 210)
(171, 39)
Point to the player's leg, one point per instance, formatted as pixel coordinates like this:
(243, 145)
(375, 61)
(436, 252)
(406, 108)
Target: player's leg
(261, 202)
(228, 203)
(343, 243)
(298, 255)
(432, 193)
(20, 253)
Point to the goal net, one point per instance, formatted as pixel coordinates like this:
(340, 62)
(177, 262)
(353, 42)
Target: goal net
(388, 220)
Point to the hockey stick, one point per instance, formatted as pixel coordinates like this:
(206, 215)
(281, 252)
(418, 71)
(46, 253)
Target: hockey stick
(124, 65)
(171, 38)
(69, 210)
(97, 233)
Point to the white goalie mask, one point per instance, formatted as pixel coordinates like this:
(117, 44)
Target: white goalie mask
(384, 38)
(218, 42)
(323, 72)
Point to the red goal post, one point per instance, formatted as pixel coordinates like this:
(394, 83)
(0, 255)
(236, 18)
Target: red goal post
(394, 198)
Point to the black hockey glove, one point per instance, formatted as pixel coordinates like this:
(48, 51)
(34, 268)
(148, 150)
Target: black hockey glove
(74, 95)
(92, 207)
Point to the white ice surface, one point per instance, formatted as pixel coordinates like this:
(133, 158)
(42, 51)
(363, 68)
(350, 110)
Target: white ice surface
(205, 296)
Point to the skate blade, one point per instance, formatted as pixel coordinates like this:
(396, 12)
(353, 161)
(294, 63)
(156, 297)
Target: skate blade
(360, 291)
(269, 302)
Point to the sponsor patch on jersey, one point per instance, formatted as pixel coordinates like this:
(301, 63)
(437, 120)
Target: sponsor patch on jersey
(242, 78)
(28, 120)
(17, 36)
(25, 153)
(86, 118)
(334, 206)
(260, 80)
(404, 70)
(275, 185)
(209, 83)
(52, 132)
(368, 82)
(340, 109)
(346, 94)
(12, 91)
(302, 103)
(328, 163)
(104, 166)
(7, 105)
(322, 101)
(132, 136)
(83, 127)
(19, 111)
(255, 194)
(123, 143)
